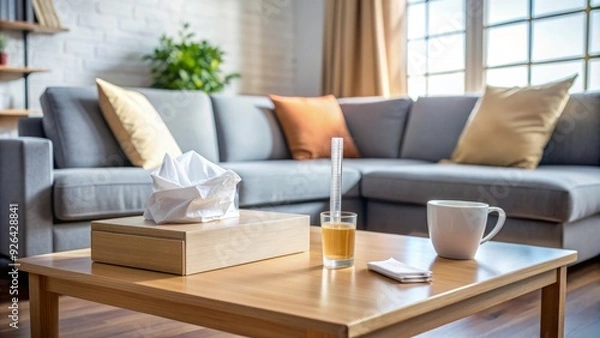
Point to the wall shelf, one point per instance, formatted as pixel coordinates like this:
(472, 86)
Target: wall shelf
(24, 26)
(18, 112)
(22, 70)
(9, 73)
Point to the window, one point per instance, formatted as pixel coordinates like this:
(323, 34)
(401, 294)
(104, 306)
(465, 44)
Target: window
(503, 43)
(436, 46)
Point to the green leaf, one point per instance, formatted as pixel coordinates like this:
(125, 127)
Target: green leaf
(184, 75)
(188, 63)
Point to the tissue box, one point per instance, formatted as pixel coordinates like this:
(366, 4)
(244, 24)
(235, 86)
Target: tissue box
(185, 249)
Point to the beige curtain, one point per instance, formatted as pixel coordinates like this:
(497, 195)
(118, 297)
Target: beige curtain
(364, 48)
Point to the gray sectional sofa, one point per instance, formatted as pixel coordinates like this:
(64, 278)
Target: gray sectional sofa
(67, 169)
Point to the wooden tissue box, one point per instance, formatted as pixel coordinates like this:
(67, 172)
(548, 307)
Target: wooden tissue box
(186, 249)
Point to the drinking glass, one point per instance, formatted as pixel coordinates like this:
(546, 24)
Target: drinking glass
(337, 234)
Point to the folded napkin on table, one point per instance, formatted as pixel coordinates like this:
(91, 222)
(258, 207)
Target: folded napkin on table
(399, 271)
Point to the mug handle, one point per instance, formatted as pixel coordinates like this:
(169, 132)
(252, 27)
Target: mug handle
(498, 226)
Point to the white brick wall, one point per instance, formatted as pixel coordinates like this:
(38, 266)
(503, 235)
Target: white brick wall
(107, 39)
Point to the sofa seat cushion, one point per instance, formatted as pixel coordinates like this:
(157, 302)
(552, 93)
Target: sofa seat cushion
(287, 181)
(366, 165)
(554, 193)
(95, 193)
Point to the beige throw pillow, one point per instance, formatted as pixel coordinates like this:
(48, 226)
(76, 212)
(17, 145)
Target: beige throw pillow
(138, 127)
(511, 126)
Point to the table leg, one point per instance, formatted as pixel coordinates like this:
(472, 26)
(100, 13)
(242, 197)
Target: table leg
(553, 306)
(43, 308)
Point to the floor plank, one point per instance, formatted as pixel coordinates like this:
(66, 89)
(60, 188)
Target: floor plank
(517, 318)
(521, 316)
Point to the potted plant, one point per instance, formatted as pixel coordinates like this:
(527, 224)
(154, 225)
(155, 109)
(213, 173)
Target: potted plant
(188, 64)
(3, 55)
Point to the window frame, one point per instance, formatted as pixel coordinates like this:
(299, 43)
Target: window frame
(475, 43)
(427, 37)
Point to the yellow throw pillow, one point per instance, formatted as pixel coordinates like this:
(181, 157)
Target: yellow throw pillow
(510, 127)
(309, 123)
(138, 127)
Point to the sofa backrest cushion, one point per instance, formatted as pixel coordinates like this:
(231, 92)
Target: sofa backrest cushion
(74, 123)
(189, 116)
(434, 126)
(248, 129)
(376, 124)
(576, 138)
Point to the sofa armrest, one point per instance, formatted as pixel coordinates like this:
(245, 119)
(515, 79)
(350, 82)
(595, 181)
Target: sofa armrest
(31, 126)
(26, 182)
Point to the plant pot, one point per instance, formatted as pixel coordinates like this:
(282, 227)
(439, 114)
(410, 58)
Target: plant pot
(3, 59)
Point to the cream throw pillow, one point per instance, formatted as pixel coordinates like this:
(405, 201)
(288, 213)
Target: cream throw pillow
(510, 127)
(138, 127)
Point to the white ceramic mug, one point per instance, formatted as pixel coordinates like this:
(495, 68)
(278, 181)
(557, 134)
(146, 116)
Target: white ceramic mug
(456, 227)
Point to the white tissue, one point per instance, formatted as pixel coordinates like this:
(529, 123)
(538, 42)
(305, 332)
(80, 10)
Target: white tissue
(190, 189)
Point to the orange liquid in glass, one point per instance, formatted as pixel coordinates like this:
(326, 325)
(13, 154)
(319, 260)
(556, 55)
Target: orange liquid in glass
(338, 240)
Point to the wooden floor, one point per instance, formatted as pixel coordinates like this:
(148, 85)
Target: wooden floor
(517, 318)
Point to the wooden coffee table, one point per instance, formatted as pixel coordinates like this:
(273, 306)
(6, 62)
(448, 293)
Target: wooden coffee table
(293, 296)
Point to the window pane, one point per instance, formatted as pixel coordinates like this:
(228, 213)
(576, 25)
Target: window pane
(595, 2)
(446, 53)
(416, 21)
(446, 16)
(541, 74)
(558, 37)
(594, 74)
(417, 86)
(595, 32)
(446, 84)
(544, 7)
(417, 60)
(497, 11)
(506, 45)
(507, 76)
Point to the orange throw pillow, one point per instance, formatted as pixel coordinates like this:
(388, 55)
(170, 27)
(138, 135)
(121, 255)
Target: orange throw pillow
(309, 123)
